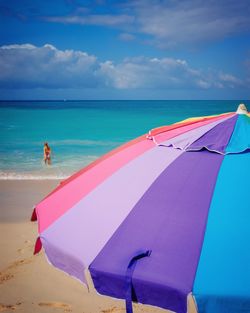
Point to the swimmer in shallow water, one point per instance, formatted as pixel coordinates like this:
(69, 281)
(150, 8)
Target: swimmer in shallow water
(47, 153)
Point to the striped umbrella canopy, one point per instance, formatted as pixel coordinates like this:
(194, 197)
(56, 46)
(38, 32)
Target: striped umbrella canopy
(163, 218)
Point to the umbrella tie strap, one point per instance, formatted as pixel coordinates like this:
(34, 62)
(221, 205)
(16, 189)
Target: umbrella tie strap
(150, 137)
(33, 216)
(38, 245)
(128, 278)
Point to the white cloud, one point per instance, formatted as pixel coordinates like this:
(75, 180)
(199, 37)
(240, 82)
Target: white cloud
(172, 23)
(23, 46)
(169, 23)
(126, 37)
(122, 76)
(203, 84)
(93, 19)
(28, 66)
(46, 66)
(164, 73)
(229, 78)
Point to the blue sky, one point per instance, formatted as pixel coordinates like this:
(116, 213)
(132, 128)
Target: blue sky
(141, 49)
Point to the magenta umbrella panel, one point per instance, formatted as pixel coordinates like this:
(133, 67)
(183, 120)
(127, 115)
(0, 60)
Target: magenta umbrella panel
(161, 218)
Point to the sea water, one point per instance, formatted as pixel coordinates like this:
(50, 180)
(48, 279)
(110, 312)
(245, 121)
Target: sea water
(79, 132)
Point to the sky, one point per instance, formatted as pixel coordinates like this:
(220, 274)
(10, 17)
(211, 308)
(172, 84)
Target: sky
(141, 49)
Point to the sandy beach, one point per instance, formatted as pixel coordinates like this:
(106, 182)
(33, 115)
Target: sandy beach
(29, 283)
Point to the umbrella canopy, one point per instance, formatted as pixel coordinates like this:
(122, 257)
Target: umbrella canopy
(160, 218)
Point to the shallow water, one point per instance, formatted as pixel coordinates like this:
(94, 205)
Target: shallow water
(81, 131)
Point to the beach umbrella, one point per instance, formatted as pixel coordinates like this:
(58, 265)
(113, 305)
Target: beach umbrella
(160, 219)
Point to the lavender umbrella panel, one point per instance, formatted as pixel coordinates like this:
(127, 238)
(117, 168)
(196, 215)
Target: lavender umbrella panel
(160, 218)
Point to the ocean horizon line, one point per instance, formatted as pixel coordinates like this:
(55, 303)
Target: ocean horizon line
(102, 100)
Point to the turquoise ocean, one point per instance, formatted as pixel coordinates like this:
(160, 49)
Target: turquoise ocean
(81, 131)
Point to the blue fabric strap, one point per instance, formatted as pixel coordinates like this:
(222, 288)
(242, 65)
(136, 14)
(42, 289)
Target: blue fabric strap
(128, 278)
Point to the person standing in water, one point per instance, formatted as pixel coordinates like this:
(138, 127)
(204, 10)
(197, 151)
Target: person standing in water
(47, 153)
